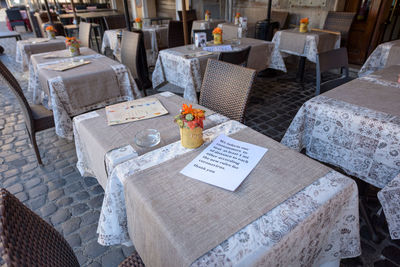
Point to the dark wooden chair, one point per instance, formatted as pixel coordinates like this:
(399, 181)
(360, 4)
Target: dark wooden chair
(115, 22)
(28, 240)
(226, 88)
(15, 18)
(37, 118)
(175, 34)
(339, 22)
(133, 55)
(236, 57)
(334, 59)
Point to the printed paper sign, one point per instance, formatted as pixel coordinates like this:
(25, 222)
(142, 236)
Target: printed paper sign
(225, 163)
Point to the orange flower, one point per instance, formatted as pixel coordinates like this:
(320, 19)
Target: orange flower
(208, 12)
(217, 30)
(50, 28)
(304, 20)
(71, 41)
(186, 109)
(138, 20)
(237, 15)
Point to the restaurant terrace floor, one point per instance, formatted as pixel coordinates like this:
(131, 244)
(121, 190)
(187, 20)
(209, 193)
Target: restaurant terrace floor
(72, 204)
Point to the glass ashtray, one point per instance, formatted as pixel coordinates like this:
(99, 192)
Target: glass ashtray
(147, 138)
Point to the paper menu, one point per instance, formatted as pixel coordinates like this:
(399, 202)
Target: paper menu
(140, 109)
(225, 163)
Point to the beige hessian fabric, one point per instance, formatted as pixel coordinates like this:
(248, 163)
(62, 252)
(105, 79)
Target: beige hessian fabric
(394, 55)
(98, 74)
(51, 45)
(371, 95)
(173, 219)
(98, 138)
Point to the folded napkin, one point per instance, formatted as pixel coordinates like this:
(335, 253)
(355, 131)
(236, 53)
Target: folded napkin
(63, 66)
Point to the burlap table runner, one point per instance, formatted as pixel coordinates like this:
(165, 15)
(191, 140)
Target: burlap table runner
(98, 74)
(52, 45)
(99, 138)
(394, 55)
(173, 220)
(371, 95)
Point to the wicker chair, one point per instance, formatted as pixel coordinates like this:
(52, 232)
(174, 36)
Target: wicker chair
(334, 59)
(84, 33)
(175, 34)
(37, 118)
(27, 240)
(133, 260)
(133, 55)
(115, 22)
(339, 22)
(226, 88)
(236, 57)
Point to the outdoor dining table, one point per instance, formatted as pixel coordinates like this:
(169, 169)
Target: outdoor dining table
(184, 67)
(68, 93)
(306, 45)
(154, 36)
(289, 210)
(355, 126)
(26, 48)
(385, 55)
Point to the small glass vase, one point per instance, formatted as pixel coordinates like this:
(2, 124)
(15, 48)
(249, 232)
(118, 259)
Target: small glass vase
(217, 38)
(303, 27)
(138, 25)
(207, 17)
(51, 35)
(191, 138)
(74, 51)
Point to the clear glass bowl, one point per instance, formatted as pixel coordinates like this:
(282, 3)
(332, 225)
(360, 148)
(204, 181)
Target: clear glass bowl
(147, 138)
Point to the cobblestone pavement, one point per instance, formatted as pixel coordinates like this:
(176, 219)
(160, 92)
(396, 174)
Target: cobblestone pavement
(72, 203)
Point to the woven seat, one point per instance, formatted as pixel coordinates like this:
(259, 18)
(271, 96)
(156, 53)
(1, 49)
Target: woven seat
(27, 240)
(37, 118)
(339, 22)
(84, 33)
(334, 59)
(133, 260)
(236, 57)
(226, 88)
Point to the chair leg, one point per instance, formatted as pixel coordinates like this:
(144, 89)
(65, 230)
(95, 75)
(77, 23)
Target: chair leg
(367, 219)
(35, 147)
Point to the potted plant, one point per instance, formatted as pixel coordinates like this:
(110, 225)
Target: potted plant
(73, 45)
(207, 15)
(304, 25)
(217, 33)
(51, 32)
(138, 23)
(190, 122)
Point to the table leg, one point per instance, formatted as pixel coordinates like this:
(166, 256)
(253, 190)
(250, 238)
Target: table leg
(300, 72)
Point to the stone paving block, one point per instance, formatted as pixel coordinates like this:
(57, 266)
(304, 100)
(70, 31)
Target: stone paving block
(55, 184)
(128, 250)
(38, 191)
(22, 196)
(71, 225)
(79, 209)
(74, 240)
(64, 201)
(60, 216)
(96, 202)
(89, 181)
(82, 196)
(16, 188)
(90, 217)
(32, 182)
(94, 249)
(97, 190)
(48, 209)
(88, 233)
(113, 258)
(37, 203)
(17, 162)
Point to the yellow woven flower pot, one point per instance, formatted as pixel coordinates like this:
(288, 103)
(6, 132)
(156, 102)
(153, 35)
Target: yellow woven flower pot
(74, 50)
(191, 138)
(303, 27)
(217, 38)
(51, 35)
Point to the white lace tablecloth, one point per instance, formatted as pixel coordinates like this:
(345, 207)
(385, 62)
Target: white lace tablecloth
(58, 100)
(310, 47)
(318, 224)
(174, 67)
(23, 54)
(389, 197)
(154, 37)
(378, 59)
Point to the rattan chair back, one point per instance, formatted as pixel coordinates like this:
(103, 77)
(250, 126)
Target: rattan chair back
(236, 57)
(334, 59)
(84, 33)
(339, 22)
(133, 260)
(115, 22)
(226, 88)
(16, 89)
(27, 240)
(175, 34)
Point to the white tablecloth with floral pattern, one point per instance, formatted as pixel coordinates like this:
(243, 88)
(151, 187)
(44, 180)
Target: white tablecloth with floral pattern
(177, 67)
(58, 100)
(318, 224)
(389, 197)
(155, 37)
(311, 44)
(379, 58)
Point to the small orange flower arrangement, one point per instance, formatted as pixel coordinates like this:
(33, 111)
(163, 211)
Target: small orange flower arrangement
(237, 15)
(72, 41)
(217, 30)
(304, 20)
(190, 117)
(138, 20)
(50, 29)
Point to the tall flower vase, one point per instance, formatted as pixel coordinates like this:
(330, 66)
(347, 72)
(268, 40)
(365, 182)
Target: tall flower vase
(51, 35)
(74, 50)
(217, 38)
(191, 138)
(303, 27)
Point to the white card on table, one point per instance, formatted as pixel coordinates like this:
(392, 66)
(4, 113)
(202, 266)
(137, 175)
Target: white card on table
(225, 163)
(200, 39)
